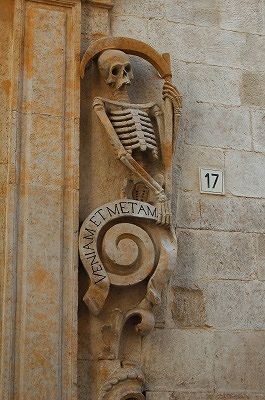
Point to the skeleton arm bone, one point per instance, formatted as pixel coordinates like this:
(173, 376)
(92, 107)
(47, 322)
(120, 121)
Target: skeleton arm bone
(164, 208)
(122, 154)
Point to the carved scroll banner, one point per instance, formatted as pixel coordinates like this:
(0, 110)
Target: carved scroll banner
(127, 245)
(41, 243)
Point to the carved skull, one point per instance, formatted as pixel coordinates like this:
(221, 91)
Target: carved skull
(115, 67)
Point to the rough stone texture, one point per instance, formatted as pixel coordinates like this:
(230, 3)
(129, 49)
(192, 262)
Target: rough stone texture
(210, 343)
(217, 53)
(38, 345)
(239, 361)
(245, 174)
(232, 255)
(192, 364)
(217, 126)
(258, 129)
(252, 91)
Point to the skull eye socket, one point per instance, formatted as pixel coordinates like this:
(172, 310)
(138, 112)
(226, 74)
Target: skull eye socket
(115, 71)
(128, 68)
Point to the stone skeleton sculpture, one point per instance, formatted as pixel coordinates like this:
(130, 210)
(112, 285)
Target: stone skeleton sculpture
(129, 126)
(128, 246)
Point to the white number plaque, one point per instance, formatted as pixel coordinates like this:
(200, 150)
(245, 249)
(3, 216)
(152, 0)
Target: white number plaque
(211, 181)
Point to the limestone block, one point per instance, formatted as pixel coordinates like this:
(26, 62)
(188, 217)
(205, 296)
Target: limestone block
(188, 210)
(258, 130)
(135, 27)
(239, 363)
(238, 396)
(203, 12)
(224, 48)
(184, 42)
(191, 366)
(254, 53)
(260, 256)
(245, 174)
(191, 396)
(241, 15)
(157, 396)
(231, 214)
(210, 84)
(207, 255)
(188, 308)
(218, 126)
(191, 159)
(252, 90)
(235, 304)
(146, 9)
(180, 77)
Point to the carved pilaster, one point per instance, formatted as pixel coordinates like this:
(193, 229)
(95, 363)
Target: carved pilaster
(40, 275)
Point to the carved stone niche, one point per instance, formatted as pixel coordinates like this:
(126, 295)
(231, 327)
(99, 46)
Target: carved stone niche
(127, 245)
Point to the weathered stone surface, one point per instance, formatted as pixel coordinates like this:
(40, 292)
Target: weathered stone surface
(83, 379)
(241, 15)
(188, 210)
(157, 396)
(258, 130)
(40, 243)
(224, 48)
(201, 13)
(188, 309)
(204, 255)
(148, 9)
(217, 85)
(136, 27)
(218, 126)
(260, 256)
(252, 56)
(191, 396)
(235, 304)
(238, 396)
(185, 42)
(245, 174)
(239, 362)
(191, 366)
(252, 90)
(191, 159)
(229, 213)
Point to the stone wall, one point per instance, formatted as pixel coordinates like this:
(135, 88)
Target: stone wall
(211, 344)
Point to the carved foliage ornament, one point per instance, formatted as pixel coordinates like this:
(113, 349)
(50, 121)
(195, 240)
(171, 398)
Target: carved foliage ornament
(129, 241)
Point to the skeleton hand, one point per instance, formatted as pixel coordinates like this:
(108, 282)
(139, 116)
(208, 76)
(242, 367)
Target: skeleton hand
(170, 92)
(163, 210)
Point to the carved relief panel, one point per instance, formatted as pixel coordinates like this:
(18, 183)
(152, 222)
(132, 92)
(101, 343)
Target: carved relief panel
(127, 245)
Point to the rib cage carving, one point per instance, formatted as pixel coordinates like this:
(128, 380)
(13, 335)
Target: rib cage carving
(127, 244)
(134, 129)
